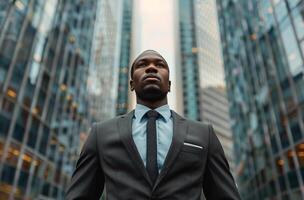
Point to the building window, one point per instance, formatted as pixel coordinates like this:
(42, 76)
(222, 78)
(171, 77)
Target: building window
(280, 165)
(299, 85)
(293, 180)
(22, 182)
(282, 183)
(293, 3)
(13, 154)
(299, 22)
(284, 138)
(44, 140)
(281, 10)
(8, 174)
(20, 124)
(291, 47)
(274, 145)
(295, 129)
(4, 124)
(290, 156)
(33, 133)
(45, 189)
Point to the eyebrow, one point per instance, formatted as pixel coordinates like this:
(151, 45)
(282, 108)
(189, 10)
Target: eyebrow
(147, 59)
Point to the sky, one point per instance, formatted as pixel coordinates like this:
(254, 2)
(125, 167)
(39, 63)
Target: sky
(153, 28)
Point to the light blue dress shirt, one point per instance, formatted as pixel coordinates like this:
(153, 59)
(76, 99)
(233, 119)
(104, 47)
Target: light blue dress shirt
(164, 132)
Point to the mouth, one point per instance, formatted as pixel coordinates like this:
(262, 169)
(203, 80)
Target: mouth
(151, 78)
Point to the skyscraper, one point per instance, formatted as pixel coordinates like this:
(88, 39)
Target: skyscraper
(44, 54)
(201, 67)
(189, 61)
(213, 99)
(104, 64)
(263, 58)
(109, 75)
(124, 60)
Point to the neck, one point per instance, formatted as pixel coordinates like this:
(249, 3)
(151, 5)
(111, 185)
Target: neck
(152, 104)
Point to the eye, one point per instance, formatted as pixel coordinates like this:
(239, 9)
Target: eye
(141, 64)
(162, 65)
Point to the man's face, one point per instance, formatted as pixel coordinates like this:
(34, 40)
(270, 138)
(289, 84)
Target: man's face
(150, 78)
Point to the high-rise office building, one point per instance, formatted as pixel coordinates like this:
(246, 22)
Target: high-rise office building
(105, 56)
(201, 67)
(44, 57)
(124, 60)
(213, 99)
(109, 75)
(263, 57)
(189, 60)
(215, 110)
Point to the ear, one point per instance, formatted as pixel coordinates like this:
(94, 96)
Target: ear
(169, 86)
(131, 85)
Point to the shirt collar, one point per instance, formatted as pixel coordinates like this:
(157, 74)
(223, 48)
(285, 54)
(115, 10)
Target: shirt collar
(141, 110)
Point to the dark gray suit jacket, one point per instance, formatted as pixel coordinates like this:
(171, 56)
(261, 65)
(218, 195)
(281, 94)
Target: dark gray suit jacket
(110, 158)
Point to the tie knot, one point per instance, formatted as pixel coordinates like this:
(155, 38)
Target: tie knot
(152, 114)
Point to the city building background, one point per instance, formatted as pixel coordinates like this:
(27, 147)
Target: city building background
(104, 65)
(263, 57)
(189, 66)
(213, 98)
(201, 69)
(43, 99)
(124, 60)
(236, 64)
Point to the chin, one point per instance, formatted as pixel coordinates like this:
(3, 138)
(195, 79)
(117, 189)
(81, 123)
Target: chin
(151, 94)
(151, 87)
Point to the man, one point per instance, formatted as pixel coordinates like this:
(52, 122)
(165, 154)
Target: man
(152, 152)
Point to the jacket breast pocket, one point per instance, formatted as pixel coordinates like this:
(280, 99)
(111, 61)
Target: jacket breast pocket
(187, 147)
(191, 157)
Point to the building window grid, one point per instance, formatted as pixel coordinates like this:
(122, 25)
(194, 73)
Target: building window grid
(10, 131)
(40, 124)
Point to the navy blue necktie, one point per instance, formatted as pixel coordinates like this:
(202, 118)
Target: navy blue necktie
(151, 164)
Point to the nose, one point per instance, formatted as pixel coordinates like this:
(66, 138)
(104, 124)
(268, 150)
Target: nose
(151, 68)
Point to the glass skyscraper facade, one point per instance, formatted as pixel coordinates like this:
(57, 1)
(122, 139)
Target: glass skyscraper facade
(124, 63)
(201, 69)
(109, 68)
(44, 57)
(213, 98)
(189, 61)
(263, 44)
(104, 66)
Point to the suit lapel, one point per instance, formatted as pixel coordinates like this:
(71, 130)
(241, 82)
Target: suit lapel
(179, 133)
(125, 131)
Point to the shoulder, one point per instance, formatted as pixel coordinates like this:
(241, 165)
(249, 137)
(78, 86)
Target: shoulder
(195, 129)
(111, 122)
(193, 124)
(199, 125)
(105, 123)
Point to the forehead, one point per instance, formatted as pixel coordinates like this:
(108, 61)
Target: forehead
(150, 55)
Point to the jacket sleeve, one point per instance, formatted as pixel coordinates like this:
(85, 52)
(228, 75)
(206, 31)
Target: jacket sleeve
(218, 181)
(88, 179)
